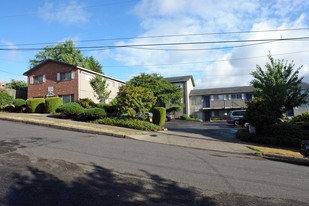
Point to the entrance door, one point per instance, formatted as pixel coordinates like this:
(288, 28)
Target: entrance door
(207, 115)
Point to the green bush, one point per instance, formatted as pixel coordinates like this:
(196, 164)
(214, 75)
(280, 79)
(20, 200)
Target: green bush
(52, 103)
(20, 105)
(72, 110)
(5, 99)
(173, 109)
(184, 116)
(301, 118)
(93, 114)
(35, 105)
(285, 134)
(129, 123)
(259, 114)
(109, 108)
(86, 103)
(159, 116)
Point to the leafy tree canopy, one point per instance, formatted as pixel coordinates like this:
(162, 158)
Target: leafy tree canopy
(100, 88)
(133, 100)
(279, 85)
(67, 53)
(17, 84)
(165, 92)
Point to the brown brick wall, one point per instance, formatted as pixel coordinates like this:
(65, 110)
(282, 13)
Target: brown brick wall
(50, 69)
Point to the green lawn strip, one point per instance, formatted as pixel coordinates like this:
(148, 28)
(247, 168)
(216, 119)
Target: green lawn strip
(258, 153)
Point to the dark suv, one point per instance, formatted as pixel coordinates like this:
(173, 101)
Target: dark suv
(236, 117)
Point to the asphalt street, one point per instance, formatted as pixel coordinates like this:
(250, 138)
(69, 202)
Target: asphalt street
(68, 166)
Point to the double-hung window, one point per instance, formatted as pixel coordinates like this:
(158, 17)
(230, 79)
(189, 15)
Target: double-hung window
(37, 79)
(65, 76)
(236, 96)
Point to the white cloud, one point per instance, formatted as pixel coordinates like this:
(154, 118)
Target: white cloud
(71, 12)
(163, 17)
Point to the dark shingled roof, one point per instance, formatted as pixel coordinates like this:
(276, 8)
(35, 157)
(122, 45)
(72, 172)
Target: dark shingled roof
(180, 79)
(224, 90)
(77, 67)
(231, 90)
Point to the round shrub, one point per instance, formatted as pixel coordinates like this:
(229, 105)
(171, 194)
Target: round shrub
(5, 99)
(94, 113)
(159, 116)
(86, 103)
(35, 105)
(52, 103)
(19, 104)
(109, 109)
(72, 110)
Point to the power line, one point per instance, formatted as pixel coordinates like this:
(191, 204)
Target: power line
(165, 36)
(202, 62)
(10, 73)
(161, 44)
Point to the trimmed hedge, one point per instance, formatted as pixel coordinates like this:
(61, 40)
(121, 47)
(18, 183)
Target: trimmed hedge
(20, 105)
(129, 123)
(93, 114)
(86, 103)
(159, 116)
(52, 103)
(72, 110)
(35, 105)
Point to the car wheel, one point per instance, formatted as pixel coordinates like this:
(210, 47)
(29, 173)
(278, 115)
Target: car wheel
(236, 123)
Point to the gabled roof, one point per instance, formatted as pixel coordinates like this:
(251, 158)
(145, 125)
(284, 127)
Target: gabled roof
(223, 90)
(180, 79)
(70, 65)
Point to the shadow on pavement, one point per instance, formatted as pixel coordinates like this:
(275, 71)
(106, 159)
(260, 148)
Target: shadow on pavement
(99, 187)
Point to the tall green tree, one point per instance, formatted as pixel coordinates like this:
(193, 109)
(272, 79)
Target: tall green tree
(100, 88)
(17, 84)
(133, 100)
(165, 92)
(279, 86)
(67, 53)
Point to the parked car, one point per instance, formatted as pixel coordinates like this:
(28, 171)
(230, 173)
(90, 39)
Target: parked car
(169, 117)
(236, 117)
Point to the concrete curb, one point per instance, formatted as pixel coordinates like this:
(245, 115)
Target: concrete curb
(298, 160)
(65, 127)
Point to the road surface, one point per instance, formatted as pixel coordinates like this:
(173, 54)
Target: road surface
(44, 165)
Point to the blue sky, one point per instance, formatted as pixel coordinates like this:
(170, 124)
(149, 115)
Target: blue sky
(48, 22)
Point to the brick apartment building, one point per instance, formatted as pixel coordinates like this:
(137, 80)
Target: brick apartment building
(53, 78)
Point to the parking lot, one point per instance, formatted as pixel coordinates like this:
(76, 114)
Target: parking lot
(217, 130)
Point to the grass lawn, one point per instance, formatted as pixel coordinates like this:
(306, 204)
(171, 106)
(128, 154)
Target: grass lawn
(274, 150)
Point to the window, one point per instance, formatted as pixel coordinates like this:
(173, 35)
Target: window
(38, 79)
(65, 76)
(236, 96)
(178, 85)
(197, 100)
(198, 115)
(219, 97)
(67, 98)
(114, 84)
